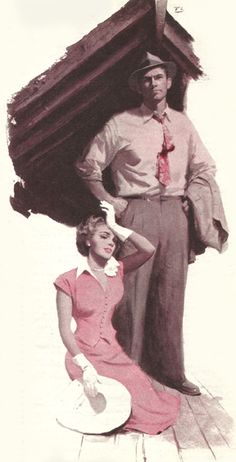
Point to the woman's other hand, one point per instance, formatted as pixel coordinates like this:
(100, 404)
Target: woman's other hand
(90, 375)
(90, 381)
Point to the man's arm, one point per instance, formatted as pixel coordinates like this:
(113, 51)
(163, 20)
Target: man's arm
(97, 189)
(200, 159)
(97, 156)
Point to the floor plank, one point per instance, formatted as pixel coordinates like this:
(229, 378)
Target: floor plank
(187, 431)
(221, 419)
(116, 448)
(196, 455)
(127, 448)
(96, 448)
(202, 433)
(161, 447)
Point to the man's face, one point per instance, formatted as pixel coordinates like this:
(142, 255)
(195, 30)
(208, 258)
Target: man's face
(153, 86)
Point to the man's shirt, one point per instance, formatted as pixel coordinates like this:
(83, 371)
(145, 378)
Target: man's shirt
(130, 143)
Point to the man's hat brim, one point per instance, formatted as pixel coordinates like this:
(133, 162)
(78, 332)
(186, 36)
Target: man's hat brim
(134, 77)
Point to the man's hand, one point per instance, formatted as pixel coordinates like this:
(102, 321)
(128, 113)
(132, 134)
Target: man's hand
(185, 205)
(119, 205)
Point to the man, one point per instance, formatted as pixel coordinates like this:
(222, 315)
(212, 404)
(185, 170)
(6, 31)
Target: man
(152, 151)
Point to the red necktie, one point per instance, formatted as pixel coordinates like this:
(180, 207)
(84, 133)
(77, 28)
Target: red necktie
(163, 170)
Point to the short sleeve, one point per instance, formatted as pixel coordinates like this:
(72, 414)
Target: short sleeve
(62, 282)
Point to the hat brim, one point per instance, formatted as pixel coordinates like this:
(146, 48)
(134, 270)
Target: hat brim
(133, 79)
(107, 411)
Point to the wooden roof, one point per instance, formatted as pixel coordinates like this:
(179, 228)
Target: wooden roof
(54, 116)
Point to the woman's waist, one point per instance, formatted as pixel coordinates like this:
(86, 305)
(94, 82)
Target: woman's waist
(91, 338)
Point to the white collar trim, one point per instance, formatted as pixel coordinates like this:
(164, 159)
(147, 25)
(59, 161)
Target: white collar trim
(110, 268)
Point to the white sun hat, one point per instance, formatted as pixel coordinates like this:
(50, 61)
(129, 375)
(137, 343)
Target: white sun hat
(101, 414)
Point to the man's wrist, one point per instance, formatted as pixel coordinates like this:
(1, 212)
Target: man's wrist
(112, 200)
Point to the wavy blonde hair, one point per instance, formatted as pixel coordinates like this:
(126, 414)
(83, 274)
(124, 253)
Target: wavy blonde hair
(85, 231)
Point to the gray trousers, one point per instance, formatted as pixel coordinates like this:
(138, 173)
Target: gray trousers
(149, 319)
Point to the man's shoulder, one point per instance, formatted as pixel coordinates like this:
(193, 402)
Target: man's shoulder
(127, 115)
(180, 117)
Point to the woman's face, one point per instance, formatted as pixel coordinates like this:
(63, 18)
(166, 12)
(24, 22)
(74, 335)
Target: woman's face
(102, 242)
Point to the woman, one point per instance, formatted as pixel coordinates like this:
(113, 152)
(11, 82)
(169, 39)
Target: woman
(90, 294)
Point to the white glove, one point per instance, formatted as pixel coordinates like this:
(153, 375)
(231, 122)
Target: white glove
(90, 375)
(121, 232)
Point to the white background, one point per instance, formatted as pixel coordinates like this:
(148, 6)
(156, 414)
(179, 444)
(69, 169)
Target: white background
(34, 33)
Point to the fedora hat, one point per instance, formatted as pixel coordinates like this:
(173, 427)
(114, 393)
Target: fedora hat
(149, 61)
(101, 414)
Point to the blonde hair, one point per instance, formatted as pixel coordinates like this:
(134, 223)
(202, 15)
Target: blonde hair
(85, 230)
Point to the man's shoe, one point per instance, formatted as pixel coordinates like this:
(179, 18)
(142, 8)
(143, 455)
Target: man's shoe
(186, 387)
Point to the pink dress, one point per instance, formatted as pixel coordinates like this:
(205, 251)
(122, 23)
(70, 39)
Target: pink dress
(93, 308)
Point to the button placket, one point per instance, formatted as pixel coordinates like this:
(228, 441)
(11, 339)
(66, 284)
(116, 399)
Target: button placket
(104, 313)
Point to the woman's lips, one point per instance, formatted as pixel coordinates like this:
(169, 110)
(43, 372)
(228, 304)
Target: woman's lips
(108, 250)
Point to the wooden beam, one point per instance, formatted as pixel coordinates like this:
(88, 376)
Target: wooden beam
(160, 6)
(119, 23)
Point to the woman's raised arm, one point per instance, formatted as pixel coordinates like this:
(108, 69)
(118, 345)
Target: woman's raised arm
(144, 248)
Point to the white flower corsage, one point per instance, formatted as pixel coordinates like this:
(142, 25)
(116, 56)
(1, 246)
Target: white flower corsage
(111, 267)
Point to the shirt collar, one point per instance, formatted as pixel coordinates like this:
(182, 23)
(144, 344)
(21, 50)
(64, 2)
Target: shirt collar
(147, 113)
(110, 269)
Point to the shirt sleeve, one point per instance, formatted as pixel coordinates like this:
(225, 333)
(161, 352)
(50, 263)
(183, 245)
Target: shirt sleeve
(200, 159)
(63, 283)
(99, 153)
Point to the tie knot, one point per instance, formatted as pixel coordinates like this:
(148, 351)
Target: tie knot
(159, 117)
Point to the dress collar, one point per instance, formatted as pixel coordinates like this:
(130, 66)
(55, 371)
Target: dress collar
(147, 113)
(110, 269)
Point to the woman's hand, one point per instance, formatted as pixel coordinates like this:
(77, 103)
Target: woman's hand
(121, 232)
(90, 375)
(90, 381)
(110, 213)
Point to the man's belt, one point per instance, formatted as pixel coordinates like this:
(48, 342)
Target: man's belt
(157, 197)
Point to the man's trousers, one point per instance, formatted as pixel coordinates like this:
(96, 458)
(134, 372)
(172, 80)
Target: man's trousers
(149, 320)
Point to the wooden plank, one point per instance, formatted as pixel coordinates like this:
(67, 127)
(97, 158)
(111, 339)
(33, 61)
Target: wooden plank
(97, 448)
(160, 447)
(126, 448)
(160, 6)
(188, 67)
(187, 431)
(223, 422)
(80, 52)
(196, 454)
(195, 403)
(185, 48)
(213, 436)
(202, 408)
(116, 448)
(67, 96)
(130, 17)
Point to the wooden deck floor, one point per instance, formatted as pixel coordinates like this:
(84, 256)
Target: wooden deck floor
(202, 433)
